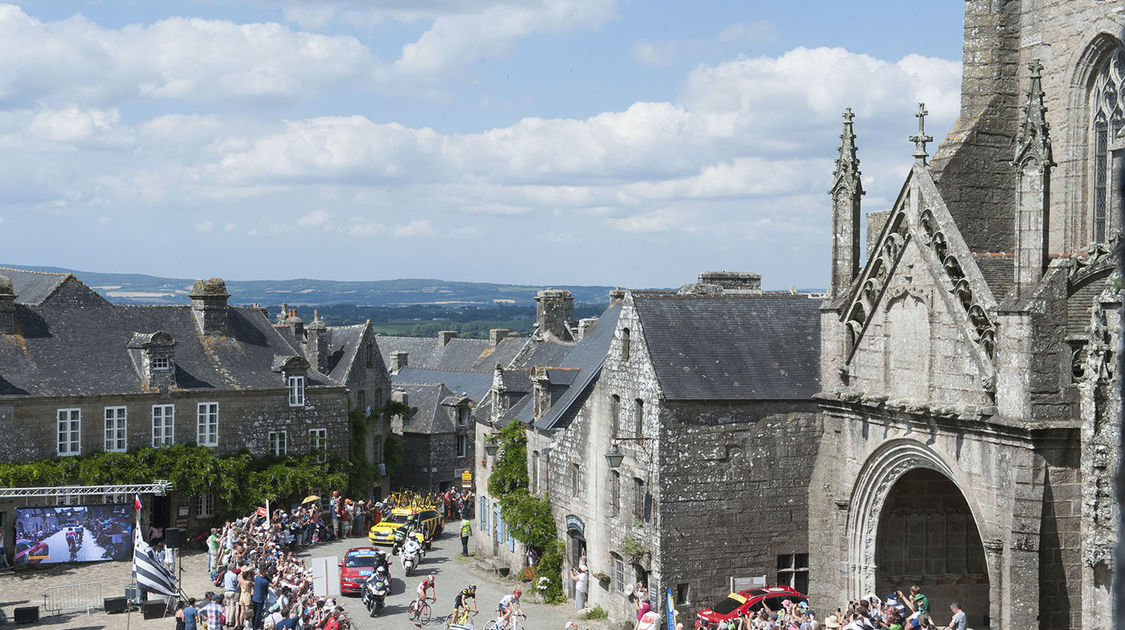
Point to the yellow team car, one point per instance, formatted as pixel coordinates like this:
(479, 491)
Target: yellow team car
(383, 532)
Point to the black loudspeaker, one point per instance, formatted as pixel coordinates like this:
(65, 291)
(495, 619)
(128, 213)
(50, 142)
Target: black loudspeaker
(27, 614)
(173, 537)
(115, 604)
(154, 608)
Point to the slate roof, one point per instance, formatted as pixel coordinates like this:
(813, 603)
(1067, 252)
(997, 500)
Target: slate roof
(998, 271)
(429, 416)
(343, 346)
(745, 347)
(77, 345)
(475, 385)
(33, 287)
(587, 356)
(458, 354)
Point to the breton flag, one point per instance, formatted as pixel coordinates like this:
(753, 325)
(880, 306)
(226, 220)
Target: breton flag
(151, 574)
(262, 511)
(137, 502)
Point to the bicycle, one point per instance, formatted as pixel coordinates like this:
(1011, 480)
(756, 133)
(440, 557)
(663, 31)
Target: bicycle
(454, 619)
(514, 623)
(421, 613)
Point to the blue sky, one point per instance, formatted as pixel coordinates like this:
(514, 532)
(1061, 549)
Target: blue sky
(533, 141)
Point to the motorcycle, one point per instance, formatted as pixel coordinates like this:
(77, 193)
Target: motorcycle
(374, 594)
(410, 560)
(399, 539)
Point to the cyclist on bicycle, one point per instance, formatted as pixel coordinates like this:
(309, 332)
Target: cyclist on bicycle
(427, 584)
(508, 605)
(461, 602)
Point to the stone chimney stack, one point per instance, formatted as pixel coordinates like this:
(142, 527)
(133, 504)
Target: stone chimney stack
(399, 360)
(616, 296)
(445, 336)
(399, 395)
(7, 306)
(846, 191)
(1033, 188)
(316, 343)
(541, 392)
(732, 280)
(297, 324)
(554, 310)
(283, 316)
(496, 335)
(584, 326)
(209, 305)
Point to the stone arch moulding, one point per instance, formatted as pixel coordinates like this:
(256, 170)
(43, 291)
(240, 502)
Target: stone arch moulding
(885, 466)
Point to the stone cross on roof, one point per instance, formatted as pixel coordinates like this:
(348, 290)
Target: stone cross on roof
(921, 139)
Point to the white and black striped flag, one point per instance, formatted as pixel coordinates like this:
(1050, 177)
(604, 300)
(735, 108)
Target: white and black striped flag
(151, 574)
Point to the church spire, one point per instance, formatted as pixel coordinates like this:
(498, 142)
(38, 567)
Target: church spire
(846, 192)
(1033, 188)
(1033, 141)
(847, 165)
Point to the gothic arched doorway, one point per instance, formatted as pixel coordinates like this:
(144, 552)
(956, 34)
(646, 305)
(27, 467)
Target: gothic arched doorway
(927, 536)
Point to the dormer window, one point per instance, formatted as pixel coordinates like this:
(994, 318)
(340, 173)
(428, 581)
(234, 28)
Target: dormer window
(161, 363)
(296, 391)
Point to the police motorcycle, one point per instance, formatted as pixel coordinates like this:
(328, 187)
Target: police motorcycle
(375, 591)
(411, 555)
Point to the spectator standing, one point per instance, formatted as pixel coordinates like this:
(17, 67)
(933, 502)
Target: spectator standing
(466, 530)
(258, 598)
(334, 510)
(191, 615)
(581, 577)
(213, 542)
(959, 621)
(212, 614)
(230, 592)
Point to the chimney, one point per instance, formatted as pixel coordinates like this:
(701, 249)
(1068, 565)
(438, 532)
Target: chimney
(209, 305)
(499, 400)
(398, 361)
(496, 335)
(297, 324)
(399, 395)
(7, 306)
(554, 308)
(444, 337)
(541, 392)
(616, 296)
(316, 343)
(732, 280)
(283, 315)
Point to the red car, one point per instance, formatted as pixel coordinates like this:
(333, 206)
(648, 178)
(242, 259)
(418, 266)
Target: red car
(358, 565)
(749, 601)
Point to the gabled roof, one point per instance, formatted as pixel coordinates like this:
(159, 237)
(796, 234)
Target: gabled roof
(343, 347)
(458, 354)
(732, 347)
(585, 359)
(429, 417)
(79, 346)
(475, 385)
(33, 287)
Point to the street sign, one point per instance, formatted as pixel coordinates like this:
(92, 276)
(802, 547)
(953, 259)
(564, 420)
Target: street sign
(466, 479)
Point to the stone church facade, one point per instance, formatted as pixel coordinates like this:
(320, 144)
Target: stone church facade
(970, 403)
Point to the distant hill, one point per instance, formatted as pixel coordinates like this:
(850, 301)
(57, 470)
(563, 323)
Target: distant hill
(133, 288)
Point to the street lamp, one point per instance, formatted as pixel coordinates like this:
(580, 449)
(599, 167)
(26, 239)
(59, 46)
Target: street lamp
(614, 456)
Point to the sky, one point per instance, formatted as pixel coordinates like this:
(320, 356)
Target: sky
(613, 142)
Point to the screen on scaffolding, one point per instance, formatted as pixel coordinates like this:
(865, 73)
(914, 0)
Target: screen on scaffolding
(73, 533)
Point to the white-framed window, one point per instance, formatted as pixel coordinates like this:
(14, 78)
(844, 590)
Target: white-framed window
(163, 419)
(70, 432)
(205, 505)
(296, 391)
(462, 446)
(115, 420)
(618, 573)
(279, 442)
(318, 441)
(207, 424)
(161, 363)
(793, 570)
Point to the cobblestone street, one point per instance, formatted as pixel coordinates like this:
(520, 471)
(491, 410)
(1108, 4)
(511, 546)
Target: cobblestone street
(452, 571)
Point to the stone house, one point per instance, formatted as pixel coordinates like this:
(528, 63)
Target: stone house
(79, 374)
(971, 401)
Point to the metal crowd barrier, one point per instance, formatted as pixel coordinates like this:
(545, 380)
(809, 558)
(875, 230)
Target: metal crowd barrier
(60, 599)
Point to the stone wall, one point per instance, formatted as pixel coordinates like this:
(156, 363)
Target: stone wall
(428, 462)
(1060, 546)
(734, 492)
(245, 420)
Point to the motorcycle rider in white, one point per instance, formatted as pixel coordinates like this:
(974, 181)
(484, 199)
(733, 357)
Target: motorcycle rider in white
(411, 550)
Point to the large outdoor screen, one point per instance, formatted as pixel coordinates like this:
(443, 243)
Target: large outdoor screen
(73, 533)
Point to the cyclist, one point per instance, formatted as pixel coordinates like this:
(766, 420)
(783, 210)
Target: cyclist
(461, 602)
(508, 605)
(427, 584)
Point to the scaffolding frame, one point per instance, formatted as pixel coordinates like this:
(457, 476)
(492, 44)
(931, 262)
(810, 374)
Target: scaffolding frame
(159, 488)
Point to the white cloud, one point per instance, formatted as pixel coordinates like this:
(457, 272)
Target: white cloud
(654, 53)
(93, 128)
(204, 226)
(759, 31)
(316, 218)
(366, 229)
(417, 227)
